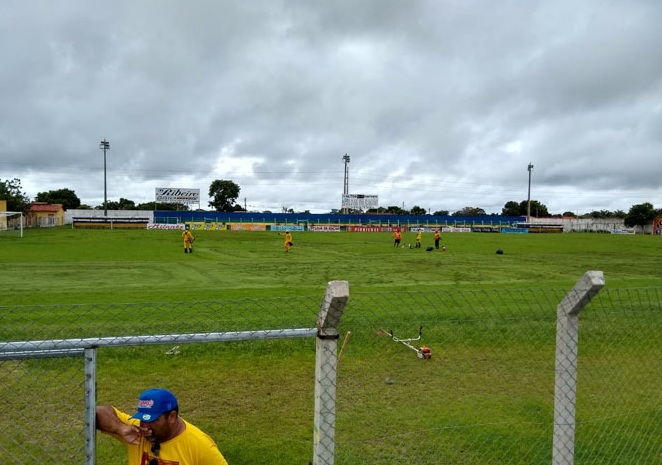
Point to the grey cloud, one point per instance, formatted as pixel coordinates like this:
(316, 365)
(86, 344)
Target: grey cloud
(441, 104)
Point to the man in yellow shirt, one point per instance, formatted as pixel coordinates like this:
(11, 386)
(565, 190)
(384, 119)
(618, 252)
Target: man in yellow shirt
(157, 435)
(188, 240)
(288, 241)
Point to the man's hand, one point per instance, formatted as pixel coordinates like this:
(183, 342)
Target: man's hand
(131, 434)
(108, 422)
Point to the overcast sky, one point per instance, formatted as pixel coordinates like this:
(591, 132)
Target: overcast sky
(439, 103)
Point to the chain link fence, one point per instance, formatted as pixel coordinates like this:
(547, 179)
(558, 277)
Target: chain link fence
(42, 410)
(487, 394)
(365, 392)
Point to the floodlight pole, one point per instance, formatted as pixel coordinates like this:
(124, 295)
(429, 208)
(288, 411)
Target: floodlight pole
(346, 183)
(104, 145)
(528, 202)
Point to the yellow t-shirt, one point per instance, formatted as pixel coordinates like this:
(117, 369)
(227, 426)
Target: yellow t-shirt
(192, 447)
(187, 236)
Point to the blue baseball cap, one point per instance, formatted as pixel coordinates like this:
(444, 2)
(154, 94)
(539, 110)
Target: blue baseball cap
(153, 403)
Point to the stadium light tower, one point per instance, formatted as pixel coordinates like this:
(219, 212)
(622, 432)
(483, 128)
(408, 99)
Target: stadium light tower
(104, 145)
(528, 201)
(345, 191)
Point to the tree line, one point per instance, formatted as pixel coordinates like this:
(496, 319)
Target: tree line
(18, 200)
(224, 193)
(639, 215)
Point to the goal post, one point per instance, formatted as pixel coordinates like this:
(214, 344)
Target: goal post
(11, 223)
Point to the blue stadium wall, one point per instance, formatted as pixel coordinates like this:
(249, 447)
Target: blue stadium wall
(311, 218)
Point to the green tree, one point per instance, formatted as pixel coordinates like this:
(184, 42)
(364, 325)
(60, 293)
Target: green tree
(470, 211)
(537, 209)
(224, 193)
(511, 208)
(126, 204)
(640, 215)
(162, 206)
(122, 204)
(602, 214)
(418, 211)
(66, 197)
(376, 210)
(12, 192)
(395, 210)
(441, 213)
(110, 205)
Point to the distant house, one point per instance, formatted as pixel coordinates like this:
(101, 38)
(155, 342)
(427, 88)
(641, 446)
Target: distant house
(44, 214)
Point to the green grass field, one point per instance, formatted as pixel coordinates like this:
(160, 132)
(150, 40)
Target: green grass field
(52, 266)
(487, 318)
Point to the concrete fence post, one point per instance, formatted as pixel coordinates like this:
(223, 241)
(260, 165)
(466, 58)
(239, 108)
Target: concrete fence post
(90, 405)
(326, 363)
(565, 383)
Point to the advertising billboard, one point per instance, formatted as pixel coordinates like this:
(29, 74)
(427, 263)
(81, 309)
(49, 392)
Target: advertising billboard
(359, 201)
(177, 195)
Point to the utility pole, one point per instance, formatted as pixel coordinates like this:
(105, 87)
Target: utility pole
(528, 201)
(346, 184)
(104, 145)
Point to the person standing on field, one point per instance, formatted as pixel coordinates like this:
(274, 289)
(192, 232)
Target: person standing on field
(419, 236)
(188, 240)
(288, 241)
(156, 434)
(437, 236)
(397, 237)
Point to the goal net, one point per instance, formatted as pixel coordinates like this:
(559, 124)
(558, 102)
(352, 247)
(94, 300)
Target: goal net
(11, 224)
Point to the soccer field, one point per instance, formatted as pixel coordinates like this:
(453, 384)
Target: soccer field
(484, 397)
(64, 265)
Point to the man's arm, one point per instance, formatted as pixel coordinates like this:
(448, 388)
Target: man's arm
(108, 422)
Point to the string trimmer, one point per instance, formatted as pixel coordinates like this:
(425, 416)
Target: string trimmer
(422, 352)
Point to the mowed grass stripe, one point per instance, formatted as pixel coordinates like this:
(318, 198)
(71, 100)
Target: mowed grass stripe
(66, 265)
